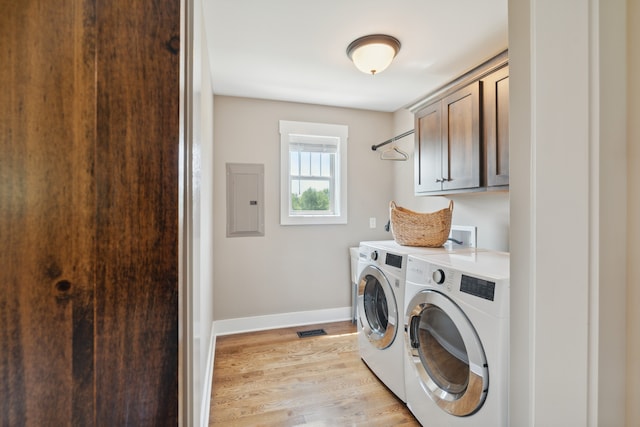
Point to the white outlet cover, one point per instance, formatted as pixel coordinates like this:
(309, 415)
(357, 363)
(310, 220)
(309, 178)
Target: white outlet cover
(463, 233)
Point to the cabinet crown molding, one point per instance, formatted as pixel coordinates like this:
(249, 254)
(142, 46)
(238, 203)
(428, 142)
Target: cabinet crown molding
(477, 73)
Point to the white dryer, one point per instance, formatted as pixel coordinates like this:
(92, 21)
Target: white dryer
(457, 339)
(380, 299)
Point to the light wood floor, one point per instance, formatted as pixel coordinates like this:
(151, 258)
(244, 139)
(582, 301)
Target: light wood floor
(274, 378)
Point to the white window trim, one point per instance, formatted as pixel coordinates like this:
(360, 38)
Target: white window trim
(315, 129)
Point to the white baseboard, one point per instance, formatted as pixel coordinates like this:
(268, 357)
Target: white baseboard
(283, 320)
(208, 382)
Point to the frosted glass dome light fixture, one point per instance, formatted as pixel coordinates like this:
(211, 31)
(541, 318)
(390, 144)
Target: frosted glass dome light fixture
(372, 54)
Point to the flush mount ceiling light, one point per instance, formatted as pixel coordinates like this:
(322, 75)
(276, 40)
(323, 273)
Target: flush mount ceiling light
(373, 53)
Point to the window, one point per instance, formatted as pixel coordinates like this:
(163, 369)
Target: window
(313, 167)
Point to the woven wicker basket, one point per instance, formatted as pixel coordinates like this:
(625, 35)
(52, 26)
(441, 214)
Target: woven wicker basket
(411, 228)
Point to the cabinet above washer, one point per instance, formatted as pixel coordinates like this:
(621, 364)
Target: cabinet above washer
(462, 133)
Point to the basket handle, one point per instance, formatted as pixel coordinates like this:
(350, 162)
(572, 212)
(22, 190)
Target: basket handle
(392, 205)
(451, 205)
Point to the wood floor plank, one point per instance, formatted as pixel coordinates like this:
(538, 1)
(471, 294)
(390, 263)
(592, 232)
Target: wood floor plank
(274, 378)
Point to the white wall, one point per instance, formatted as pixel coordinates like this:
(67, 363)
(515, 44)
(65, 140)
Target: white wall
(633, 200)
(201, 210)
(607, 397)
(293, 268)
(489, 212)
(568, 212)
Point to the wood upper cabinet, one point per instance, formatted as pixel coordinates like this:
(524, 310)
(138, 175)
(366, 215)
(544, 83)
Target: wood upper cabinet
(448, 142)
(495, 89)
(462, 134)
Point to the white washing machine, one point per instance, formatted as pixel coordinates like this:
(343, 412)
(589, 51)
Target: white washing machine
(457, 338)
(380, 299)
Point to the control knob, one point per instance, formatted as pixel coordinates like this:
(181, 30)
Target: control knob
(374, 255)
(438, 276)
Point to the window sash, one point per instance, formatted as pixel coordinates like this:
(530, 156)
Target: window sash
(308, 142)
(300, 173)
(300, 179)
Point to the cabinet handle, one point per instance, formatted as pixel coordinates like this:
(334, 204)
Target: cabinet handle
(439, 180)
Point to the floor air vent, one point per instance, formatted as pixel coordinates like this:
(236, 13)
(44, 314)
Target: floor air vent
(311, 333)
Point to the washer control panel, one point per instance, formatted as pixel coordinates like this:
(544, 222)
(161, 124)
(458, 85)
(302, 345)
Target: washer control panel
(382, 258)
(393, 260)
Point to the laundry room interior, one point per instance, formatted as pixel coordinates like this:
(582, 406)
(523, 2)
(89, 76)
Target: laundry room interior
(274, 213)
(286, 276)
(288, 272)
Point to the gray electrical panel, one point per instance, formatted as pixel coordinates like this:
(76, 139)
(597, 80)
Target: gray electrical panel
(245, 199)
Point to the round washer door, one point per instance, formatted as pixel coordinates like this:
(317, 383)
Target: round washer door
(377, 310)
(446, 353)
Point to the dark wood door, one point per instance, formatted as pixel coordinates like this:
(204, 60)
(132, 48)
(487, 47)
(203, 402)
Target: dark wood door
(89, 212)
(136, 171)
(496, 127)
(461, 138)
(428, 152)
(47, 214)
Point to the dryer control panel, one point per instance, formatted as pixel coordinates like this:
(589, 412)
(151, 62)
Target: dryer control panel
(480, 279)
(478, 287)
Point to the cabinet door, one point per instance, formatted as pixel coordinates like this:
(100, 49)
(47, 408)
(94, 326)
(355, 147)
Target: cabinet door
(496, 127)
(461, 138)
(428, 152)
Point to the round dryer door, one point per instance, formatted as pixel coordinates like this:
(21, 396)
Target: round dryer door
(377, 311)
(447, 354)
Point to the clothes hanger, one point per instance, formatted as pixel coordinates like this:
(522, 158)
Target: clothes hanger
(394, 153)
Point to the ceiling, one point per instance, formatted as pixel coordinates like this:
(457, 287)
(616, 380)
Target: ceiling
(295, 50)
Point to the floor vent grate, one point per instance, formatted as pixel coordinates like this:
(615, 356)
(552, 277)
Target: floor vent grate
(311, 333)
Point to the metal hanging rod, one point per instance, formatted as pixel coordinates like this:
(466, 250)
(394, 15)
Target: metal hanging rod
(395, 138)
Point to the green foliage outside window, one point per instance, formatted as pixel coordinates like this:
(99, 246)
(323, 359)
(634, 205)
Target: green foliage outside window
(311, 200)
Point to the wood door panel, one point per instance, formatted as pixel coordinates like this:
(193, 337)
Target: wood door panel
(461, 138)
(502, 137)
(496, 130)
(89, 212)
(47, 196)
(137, 226)
(428, 153)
